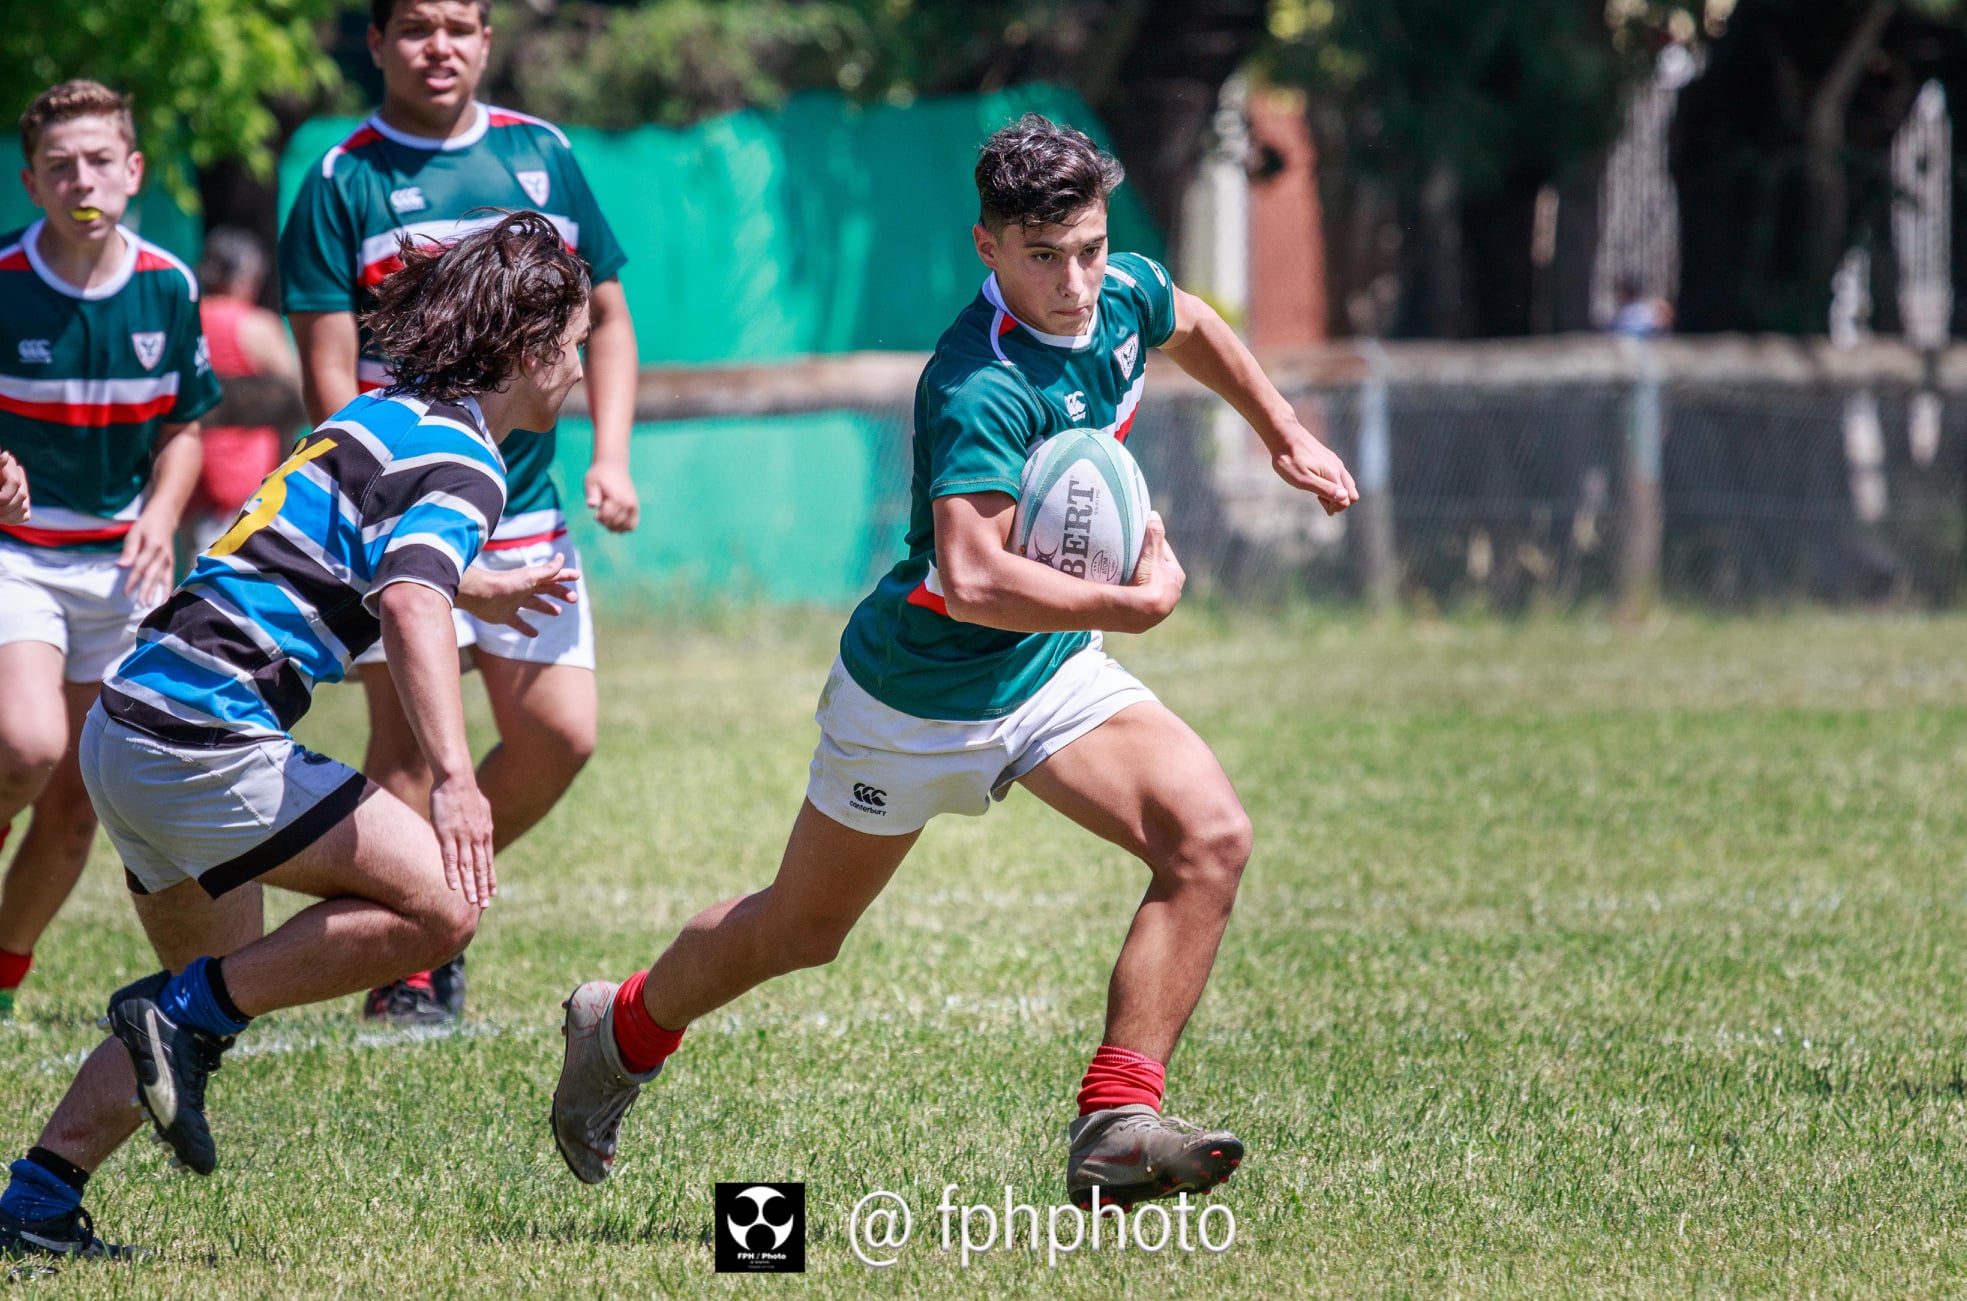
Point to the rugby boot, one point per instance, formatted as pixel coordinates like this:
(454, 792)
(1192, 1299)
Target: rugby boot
(447, 986)
(1134, 1154)
(42, 1244)
(405, 1003)
(595, 1089)
(172, 1062)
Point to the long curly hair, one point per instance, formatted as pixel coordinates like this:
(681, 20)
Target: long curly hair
(459, 319)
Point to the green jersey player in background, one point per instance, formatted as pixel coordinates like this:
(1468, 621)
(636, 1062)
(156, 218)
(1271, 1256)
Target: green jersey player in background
(970, 668)
(431, 162)
(103, 375)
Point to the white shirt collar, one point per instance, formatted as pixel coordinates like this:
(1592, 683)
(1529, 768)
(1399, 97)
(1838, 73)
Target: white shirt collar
(471, 136)
(1071, 342)
(31, 243)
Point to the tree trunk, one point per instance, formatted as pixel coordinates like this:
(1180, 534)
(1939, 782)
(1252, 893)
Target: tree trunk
(1158, 105)
(1823, 136)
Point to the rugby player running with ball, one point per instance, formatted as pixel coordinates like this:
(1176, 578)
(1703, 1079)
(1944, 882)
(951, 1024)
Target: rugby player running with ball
(971, 667)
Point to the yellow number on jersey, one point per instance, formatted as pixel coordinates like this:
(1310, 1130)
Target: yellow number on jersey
(259, 512)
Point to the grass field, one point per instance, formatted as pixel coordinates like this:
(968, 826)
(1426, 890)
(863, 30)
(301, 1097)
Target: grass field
(1571, 960)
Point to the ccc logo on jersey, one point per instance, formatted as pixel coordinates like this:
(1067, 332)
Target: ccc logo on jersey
(870, 800)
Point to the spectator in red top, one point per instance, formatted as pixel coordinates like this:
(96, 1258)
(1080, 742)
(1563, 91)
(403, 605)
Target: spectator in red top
(245, 339)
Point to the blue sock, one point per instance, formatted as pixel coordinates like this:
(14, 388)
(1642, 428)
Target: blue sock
(189, 1000)
(35, 1193)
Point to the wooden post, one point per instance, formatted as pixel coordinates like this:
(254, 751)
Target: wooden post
(1379, 563)
(1643, 522)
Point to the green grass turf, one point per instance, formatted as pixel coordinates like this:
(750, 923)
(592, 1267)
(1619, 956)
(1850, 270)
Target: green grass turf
(1572, 960)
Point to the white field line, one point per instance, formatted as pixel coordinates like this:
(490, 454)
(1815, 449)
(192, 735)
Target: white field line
(273, 1045)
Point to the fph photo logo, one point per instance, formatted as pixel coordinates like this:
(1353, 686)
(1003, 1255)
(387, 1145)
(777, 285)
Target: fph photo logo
(761, 1228)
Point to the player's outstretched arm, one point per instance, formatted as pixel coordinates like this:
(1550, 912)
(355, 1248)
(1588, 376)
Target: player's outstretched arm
(1205, 347)
(14, 500)
(611, 370)
(329, 347)
(148, 548)
(986, 583)
(423, 660)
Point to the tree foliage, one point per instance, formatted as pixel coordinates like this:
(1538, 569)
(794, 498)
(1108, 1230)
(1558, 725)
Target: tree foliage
(199, 72)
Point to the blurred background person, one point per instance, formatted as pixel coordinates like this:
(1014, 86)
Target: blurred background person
(246, 339)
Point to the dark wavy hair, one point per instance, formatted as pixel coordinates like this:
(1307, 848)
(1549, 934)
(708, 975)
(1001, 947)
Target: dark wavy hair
(459, 319)
(1037, 172)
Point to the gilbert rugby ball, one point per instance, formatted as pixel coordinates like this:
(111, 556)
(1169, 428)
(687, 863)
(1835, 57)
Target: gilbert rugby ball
(1082, 507)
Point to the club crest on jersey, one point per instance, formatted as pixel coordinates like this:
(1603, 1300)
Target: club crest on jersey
(534, 184)
(1075, 405)
(150, 347)
(1127, 354)
(408, 199)
(36, 352)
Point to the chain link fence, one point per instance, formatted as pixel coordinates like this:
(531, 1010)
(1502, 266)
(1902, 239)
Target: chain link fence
(1732, 474)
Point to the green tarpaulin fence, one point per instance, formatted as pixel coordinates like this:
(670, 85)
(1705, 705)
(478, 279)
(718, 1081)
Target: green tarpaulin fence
(820, 227)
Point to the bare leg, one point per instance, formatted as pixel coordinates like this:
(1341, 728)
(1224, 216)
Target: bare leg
(546, 718)
(394, 761)
(96, 1117)
(1146, 782)
(385, 911)
(827, 879)
(56, 847)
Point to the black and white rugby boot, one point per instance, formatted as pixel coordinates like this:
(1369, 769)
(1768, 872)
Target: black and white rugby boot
(172, 1062)
(40, 1245)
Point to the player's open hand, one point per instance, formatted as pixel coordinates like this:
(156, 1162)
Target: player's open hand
(14, 506)
(462, 818)
(1159, 577)
(1306, 463)
(148, 555)
(501, 596)
(611, 496)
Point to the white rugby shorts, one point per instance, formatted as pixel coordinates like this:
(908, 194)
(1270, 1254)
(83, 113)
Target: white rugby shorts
(565, 638)
(887, 773)
(220, 817)
(74, 601)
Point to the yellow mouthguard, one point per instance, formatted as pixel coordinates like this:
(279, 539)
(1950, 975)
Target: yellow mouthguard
(85, 214)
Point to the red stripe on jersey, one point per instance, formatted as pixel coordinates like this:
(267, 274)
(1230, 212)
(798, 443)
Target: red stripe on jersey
(509, 544)
(149, 261)
(90, 414)
(16, 261)
(64, 537)
(928, 600)
(369, 385)
(1008, 324)
(377, 272)
(1120, 434)
(364, 135)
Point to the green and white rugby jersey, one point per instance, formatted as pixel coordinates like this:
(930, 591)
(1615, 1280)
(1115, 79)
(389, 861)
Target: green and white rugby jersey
(993, 389)
(88, 379)
(340, 240)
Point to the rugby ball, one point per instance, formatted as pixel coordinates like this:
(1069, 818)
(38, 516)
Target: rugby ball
(1082, 507)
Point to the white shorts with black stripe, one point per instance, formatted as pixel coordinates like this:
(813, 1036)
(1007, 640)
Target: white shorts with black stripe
(221, 816)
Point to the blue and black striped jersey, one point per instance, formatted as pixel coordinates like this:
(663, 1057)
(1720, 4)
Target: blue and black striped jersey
(391, 489)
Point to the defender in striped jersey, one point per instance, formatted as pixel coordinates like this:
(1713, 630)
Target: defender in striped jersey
(103, 375)
(971, 668)
(365, 533)
(430, 163)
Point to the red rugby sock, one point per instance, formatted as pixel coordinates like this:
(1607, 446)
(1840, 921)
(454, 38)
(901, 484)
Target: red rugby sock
(1120, 1077)
(643, 1044)
(13, 968)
